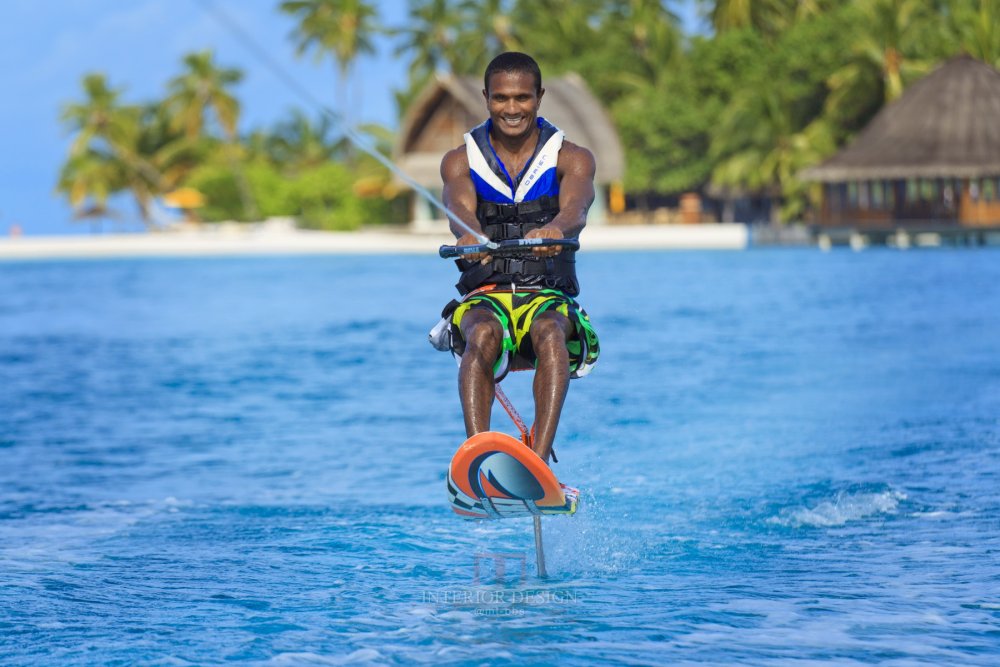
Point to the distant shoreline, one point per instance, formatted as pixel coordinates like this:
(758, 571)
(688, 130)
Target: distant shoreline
(231, 240)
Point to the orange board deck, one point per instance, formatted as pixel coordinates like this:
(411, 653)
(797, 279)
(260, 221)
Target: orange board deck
(495, 476)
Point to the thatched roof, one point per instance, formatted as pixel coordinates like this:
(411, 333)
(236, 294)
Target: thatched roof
(947, 125)
(450, 106)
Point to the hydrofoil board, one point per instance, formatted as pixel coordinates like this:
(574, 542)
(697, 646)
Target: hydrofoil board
(496, 476)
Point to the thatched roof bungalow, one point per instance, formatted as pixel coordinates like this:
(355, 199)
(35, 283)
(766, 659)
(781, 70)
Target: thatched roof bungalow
(451, 106)
(931, 158)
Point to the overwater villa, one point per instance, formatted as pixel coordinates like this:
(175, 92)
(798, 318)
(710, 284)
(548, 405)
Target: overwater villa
(927, 166)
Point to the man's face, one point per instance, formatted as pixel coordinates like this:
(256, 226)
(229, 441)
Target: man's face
(513, 102)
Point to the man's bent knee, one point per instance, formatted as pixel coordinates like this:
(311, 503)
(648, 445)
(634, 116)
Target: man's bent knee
(550, 329)
(483, 336)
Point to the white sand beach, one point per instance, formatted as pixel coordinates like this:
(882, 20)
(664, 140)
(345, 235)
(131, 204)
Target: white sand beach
(233, 239)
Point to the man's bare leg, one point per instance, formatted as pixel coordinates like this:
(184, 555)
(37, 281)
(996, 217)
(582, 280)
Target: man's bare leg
(483, 338)
(549, 333)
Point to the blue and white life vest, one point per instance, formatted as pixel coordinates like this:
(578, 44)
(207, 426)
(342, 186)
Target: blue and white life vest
(493, 182)
(508, 206)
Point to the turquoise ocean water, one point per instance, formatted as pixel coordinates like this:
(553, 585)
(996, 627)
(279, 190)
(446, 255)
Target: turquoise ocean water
(787, 457)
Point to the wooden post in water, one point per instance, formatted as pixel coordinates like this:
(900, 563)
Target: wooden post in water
(539, 550)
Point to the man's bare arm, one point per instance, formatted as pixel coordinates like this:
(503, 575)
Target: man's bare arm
(459, 194)
(576, 189)
(575, 170)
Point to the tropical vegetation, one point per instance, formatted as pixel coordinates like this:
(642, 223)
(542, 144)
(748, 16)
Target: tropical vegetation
(770, 88)
(189, 139)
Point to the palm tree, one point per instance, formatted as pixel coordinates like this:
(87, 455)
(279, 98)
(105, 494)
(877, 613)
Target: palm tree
(759, 147)
(768, 17)
(88, 179)
(561, 30)
(107, 154)
(653, 35)
(760, 15)
(298, 143)
(342, 29)
(204, 88)
(486, 29)
(98, 118)
(976, 25)
(891, 48)
(652, 24)
(202, 91)
(169, 149)
(430, 37)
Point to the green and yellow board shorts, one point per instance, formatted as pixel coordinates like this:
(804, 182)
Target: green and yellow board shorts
(516, 311)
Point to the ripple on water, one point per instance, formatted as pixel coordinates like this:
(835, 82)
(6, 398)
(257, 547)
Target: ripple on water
(785, 457)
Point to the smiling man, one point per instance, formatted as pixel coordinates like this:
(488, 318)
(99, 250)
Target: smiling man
(516, 177)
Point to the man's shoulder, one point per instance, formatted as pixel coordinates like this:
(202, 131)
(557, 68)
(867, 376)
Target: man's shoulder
(455, 160)
(576, 157)
(457, 153)
(575, 150)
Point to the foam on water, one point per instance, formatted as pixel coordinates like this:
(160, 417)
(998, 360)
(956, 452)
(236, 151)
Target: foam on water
(845, 507)
(359, 657)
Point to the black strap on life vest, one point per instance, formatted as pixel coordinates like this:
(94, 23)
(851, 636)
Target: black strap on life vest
(501, 222)
(488, 210)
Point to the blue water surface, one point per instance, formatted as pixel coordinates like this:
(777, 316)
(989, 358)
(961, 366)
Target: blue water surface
(787, 457)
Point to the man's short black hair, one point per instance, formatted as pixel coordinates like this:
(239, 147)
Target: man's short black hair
(513, 61)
